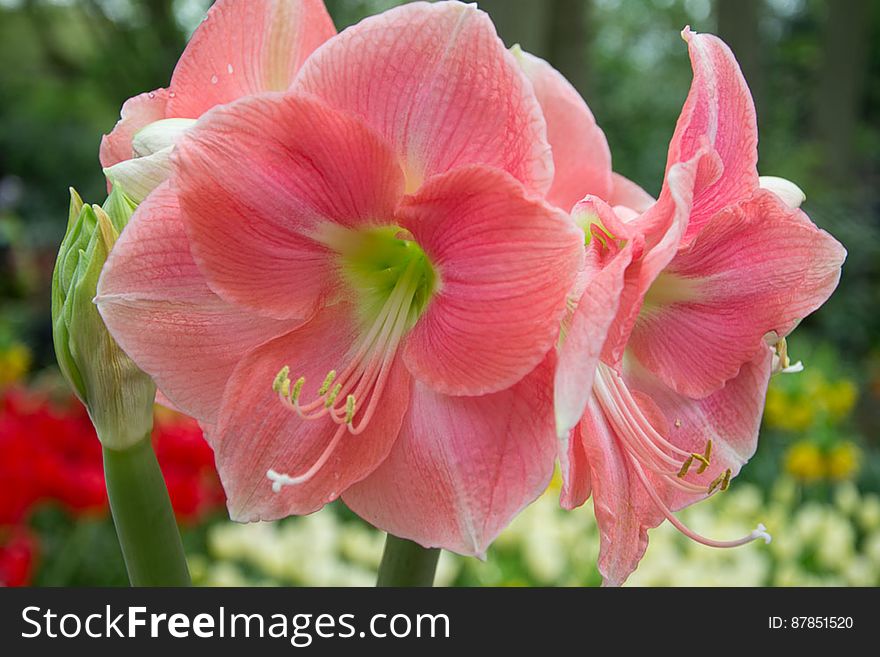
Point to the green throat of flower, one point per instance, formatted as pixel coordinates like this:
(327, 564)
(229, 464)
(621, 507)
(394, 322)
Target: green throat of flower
(391, 280)
(381, 265)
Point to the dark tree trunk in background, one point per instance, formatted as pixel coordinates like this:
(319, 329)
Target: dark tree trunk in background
(556, 30)
(521, 21)
(738, 26)
(568, 41)
(842, 85)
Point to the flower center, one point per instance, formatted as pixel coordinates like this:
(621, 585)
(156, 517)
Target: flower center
(392, 281)
(649, 451)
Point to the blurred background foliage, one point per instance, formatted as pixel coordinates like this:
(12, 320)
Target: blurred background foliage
(66, 66)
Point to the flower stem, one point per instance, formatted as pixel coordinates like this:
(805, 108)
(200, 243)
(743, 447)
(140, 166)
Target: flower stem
(143, 516)
(405, 563)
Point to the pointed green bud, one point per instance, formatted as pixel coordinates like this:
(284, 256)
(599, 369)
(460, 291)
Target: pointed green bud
(117, 394)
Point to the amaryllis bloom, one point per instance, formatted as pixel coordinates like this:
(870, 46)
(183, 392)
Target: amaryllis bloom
(664, 367)
(356, 286)
(241, 48)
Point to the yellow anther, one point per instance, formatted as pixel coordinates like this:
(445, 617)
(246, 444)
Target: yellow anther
(722, 481)
(297, 388)
(331, 398)
(328, 381)
(285, 388)
(349, 409)
(280, 378)
(685, 466)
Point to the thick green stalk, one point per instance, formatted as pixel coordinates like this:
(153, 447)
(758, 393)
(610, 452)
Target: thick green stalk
(405, 563)
(143, 516)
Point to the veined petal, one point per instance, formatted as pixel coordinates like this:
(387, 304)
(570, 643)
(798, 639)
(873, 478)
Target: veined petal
(243, 48)
(438, 84)
(585, 336)
(754, 268)
(257, 432)
(662, 227)
(505, 262)
(160, 310)
(463, 467)
(719, 109)
(137, 113)
(258, 177)
(581, 157)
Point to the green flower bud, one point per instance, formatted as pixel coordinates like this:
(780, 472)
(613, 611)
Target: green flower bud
(117, 394)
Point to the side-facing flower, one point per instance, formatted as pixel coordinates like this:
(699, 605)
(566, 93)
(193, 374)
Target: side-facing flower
(356, 286)
(664, 368)
(241, 48)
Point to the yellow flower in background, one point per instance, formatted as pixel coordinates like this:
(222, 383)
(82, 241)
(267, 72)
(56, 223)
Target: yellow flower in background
(15, 361)
(805, 462)
(843, 460)
(840, 398)
(784, 410)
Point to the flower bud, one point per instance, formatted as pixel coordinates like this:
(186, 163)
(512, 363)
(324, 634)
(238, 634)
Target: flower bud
(118, 395)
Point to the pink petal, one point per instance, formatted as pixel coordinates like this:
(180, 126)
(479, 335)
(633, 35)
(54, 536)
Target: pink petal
(719, 108)
(662, 227)
(575, 469)
(243, 48)
(160, 310)
(258, 177)
(505, 262)
(622, 513)
(257, 432)
(581, 157)
(624, 510)
(626, 193)
(463, 467)
(137, 113)
(438, 84)
(756, 267)
(582, 345)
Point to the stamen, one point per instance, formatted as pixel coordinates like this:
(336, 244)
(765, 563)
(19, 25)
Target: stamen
(759, 532)
(722, 480)
(297, 388)
(327, 382)
(364, 378)
(349, 409)
(280, 378)
(331, 398)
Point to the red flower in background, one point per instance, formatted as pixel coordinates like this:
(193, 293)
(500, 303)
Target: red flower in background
(188, 465)
(49, 453)
(18, 556)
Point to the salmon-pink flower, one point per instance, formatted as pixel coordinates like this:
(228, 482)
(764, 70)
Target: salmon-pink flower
(241, 48)
(356, 286)
(664, 367)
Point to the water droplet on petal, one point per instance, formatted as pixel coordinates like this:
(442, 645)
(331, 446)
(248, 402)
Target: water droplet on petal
(229, 69)
(152, 94)
(214, 79)
(171, 94)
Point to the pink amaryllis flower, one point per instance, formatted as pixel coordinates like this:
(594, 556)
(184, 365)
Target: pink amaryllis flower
(664, 367)
(241, 48)
(356, 286)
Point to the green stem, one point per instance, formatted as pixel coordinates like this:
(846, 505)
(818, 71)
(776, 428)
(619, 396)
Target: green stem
(405, 563)
(143, 516)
